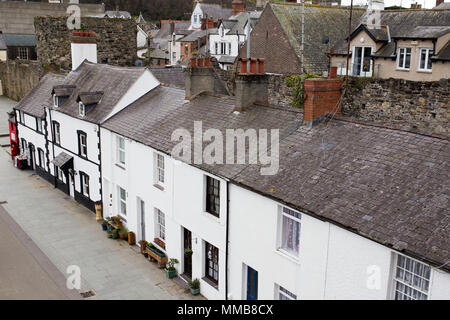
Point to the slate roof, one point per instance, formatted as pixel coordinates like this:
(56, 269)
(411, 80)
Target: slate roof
(113, 81)
(403, 23)
(61, 160)
(443, 5)
(169, 76)
(215, 11)
(118, 14)
(192, 37)
(14, 40)
(444, 54)
(164, 32)
(40, 96)
(320, 22)
(90, 97)
(158, 53)
(241, 21)
(227, 59)
(387, 185)
(63, 90)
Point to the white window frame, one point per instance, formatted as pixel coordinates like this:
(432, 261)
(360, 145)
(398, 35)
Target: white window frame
(427, 59)
(85, 184)
(39, 125)
(60, 174)
(121, 151)
(122, 201)
(159, 169)
(402, 67)
(41, 157)
(23, 52)
(57, 133)
(281, 291)
(83, 146)
(55, 101)
(404, 282)
(160, 225)
(296, 217)
(82, 109)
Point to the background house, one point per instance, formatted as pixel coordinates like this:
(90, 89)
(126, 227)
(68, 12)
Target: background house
(19, 46)
(207, 10)
(277, 36)
(408, 44)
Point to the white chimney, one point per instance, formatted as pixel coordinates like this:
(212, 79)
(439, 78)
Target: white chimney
(84, 47)
(376, 5)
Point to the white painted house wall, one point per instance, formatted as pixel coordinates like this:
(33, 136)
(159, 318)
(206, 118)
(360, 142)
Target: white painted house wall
(333, 262)
(29, 133)
(83, 51)
(196, 18)
(182, 202)
(69, 144)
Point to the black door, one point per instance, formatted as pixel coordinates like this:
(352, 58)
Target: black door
(252, 284)
(31, 151)
(187, 253)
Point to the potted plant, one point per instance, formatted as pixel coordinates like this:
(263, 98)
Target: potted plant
(104, 225)
(117, 221)
(188, 252)
(194, 286)
(115, 234)
(123, 233)
(109, 234)
(143, 245)
(170, 268)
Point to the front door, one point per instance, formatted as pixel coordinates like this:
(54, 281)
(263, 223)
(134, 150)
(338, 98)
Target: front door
(252, 284)
(31, 158)
(362, 63)
(142, 214)
(187, 256)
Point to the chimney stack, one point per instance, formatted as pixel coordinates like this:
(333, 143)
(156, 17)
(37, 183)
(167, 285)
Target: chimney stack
(251, 87)
(84, 47)
(376, 5)
(438, 2)
(199, 77)
(322, 98)
(237, 6)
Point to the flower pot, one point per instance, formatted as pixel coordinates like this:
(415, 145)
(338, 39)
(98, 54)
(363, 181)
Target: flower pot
(171, 273)
(142, 245)
(104, 227)
(131, 238)
(194, 291)
(123, 236)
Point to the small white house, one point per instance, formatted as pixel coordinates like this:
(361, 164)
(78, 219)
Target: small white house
(207, 10)
(231, 34)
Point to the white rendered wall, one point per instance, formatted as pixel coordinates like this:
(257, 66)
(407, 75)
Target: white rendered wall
(334, 263)
(83, 51)
(28, 133)
(199, 13)
(182, 202)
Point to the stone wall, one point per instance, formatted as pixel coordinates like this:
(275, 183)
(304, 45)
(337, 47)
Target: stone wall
(423, 106)
(116, 41)
(17, 77)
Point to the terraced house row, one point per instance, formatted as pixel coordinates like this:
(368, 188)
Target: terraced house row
(354, 211)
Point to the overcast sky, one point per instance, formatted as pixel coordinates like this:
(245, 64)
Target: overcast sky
(404, 3)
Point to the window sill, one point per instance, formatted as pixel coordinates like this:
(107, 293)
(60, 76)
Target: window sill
(404, 70)
(122, 217)
(288, 256)
(120, 166)
(425, 71)
(211, 283)
(212, 216)
(158, 186)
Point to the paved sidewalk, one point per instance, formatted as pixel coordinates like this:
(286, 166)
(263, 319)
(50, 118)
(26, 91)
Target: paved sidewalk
(68, 234)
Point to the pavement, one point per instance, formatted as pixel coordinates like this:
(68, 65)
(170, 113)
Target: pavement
(6, 105)
(67, 235)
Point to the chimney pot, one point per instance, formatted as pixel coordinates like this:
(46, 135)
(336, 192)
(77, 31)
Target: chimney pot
(253, 65)
(333, 73)
(244, 62)
(261, 65)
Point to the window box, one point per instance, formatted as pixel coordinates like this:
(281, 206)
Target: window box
(156, 254)
(160, 243)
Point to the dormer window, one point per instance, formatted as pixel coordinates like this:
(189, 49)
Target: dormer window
(82, 109)
(55, 100)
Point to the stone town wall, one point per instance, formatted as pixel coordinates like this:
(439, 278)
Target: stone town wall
(423, 106)
(17, 77)
(116, 41)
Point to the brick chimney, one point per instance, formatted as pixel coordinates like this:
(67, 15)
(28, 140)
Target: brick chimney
(322, 98)
(438, 2)
(237, 6)
(251, 87)
(83, 47)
